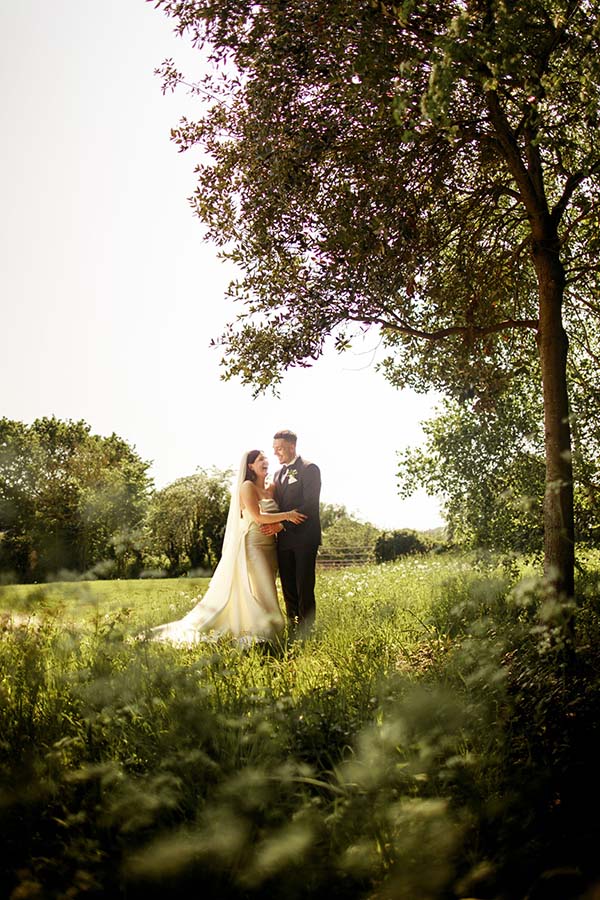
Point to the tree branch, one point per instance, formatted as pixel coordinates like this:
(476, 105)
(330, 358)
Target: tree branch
(571, 185)
(534, 163)
(512, 155)
(441, 333)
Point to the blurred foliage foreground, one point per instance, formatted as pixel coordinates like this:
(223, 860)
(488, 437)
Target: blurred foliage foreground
(436, 737)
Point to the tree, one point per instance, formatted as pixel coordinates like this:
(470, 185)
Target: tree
(187, 520)
(585, 386)
(428, 168)
(486, 460)
(64, 496)
(392, 544)
(488, 466)
(330, 513)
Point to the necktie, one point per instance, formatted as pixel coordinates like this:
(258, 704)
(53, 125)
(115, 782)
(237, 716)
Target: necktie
(283, 472)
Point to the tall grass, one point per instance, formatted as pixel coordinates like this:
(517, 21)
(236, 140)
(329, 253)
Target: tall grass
(418, 745)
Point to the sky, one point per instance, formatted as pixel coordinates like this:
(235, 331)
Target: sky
(109, 296)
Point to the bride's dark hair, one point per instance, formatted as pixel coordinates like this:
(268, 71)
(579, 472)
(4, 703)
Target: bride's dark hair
(250, 458)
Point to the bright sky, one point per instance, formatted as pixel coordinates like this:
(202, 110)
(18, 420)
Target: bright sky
(109, 296)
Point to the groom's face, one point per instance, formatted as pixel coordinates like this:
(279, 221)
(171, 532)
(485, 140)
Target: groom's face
(283, 450)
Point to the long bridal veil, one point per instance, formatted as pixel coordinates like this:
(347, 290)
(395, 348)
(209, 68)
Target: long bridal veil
(228, 606)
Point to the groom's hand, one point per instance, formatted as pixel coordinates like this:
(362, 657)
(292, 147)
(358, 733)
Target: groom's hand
(275, 528)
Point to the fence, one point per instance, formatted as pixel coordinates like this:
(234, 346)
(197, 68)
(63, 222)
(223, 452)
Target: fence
(339, 557)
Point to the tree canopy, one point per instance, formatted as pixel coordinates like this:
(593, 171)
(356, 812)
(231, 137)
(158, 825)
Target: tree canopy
(485, 460)
(187, 520)
(428, 168)
(67, 496)
(488, 468)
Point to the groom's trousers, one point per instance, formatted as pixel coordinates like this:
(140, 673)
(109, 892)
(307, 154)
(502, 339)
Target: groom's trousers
(297, 574)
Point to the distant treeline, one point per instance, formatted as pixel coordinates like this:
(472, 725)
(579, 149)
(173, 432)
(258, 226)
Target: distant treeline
(73, 503)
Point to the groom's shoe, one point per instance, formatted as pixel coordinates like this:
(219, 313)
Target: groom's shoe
(293, 627)
(299, 629)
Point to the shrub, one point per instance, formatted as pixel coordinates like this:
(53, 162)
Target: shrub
(392, 544)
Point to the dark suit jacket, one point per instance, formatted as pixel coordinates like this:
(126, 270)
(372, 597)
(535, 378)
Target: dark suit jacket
(302, 494)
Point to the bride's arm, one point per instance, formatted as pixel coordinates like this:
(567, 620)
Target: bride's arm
(249, 499)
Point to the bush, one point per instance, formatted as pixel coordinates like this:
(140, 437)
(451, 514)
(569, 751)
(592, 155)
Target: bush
(392, 544)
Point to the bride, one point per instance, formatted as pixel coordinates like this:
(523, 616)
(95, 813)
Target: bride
(241, 600)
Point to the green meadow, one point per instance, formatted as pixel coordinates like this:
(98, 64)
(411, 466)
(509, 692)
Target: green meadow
(436, 737)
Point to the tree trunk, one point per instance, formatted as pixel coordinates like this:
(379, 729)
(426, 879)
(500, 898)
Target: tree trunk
(559, 534)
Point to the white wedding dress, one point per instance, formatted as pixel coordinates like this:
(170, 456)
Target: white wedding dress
(241, 600)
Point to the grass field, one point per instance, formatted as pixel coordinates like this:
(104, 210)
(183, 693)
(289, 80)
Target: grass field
(84, 601)
(422, 743)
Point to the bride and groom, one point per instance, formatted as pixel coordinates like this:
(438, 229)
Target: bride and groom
(269, 527)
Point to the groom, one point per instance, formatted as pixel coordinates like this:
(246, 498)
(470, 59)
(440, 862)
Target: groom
(297, 486)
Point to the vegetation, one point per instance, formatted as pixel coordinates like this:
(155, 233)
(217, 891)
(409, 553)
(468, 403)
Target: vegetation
(427, 741)
(392, 544)
(329, 513)
(485, 461)
(75, 504)
(348, 540)
(430, 169)
(187, 521)
(79, 506)
(69, 500)
(488, 467)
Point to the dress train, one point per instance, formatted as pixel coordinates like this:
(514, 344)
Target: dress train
(241, 600)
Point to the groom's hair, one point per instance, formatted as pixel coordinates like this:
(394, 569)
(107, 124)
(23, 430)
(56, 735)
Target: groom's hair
(286, 435)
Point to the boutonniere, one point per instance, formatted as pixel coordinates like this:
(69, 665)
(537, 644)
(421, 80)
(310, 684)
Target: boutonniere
(292, 476)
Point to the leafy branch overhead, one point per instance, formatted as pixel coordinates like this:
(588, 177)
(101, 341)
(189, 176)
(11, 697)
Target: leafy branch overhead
(390, 165)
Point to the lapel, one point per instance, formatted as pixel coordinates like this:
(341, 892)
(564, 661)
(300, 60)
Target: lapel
(284, 486)
(297, 466)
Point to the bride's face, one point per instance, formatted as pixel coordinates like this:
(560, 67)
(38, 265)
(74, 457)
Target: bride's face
(260, 466)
